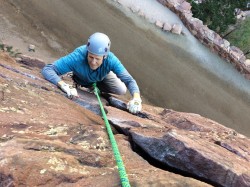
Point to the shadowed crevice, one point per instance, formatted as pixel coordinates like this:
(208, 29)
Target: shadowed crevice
(6, 180)
(156, 163)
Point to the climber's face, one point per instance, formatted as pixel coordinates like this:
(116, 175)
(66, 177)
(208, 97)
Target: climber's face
(94, 61)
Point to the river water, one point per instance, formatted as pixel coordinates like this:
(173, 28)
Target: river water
(175, 72)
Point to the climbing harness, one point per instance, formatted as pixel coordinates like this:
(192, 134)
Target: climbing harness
(118, 158)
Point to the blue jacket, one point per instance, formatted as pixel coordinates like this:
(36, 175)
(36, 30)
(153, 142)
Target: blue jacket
(77, 63)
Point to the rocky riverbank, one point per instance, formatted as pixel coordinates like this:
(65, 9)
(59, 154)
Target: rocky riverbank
(206, 36)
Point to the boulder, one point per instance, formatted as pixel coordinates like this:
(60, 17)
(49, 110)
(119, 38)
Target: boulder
(176, 28)
(167, 27)
(185, 6)
(159, 24)
(247, 62)
(134, 8)
(236, 52)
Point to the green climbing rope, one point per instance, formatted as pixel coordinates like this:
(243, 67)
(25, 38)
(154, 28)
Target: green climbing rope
(118, 158)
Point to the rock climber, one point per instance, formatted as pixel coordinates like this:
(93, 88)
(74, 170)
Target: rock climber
(95, 63)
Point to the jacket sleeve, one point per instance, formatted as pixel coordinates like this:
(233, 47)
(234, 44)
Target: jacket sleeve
(121, 72)
(69, 62)
(129, 81)
(50, 73)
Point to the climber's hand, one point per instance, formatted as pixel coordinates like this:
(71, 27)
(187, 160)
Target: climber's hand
(69, 90)
(134, 106)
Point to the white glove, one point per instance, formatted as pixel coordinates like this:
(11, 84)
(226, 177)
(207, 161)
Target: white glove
(134, 106)
(69, 90)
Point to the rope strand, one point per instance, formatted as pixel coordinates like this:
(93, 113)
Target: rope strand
(121, 169)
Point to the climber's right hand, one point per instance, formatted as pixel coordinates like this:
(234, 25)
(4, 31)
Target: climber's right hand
(68, 89)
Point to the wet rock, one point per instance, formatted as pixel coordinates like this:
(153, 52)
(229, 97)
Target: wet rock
(176, 29)
(167, 27)
(141, 13)
(159, 24)
(134, 9)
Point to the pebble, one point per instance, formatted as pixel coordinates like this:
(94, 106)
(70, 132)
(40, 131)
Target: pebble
(32, 48)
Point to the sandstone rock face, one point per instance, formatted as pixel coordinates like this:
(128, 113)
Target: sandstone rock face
(191, 144)
(49, 140)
